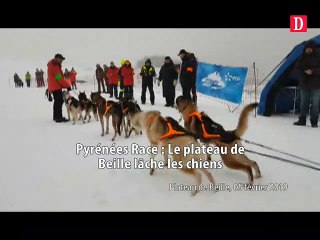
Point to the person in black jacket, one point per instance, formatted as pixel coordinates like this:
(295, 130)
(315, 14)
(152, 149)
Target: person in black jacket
(307, 70)
(121, 90)
(188, 73)
(168, 75)
(100, 77)
(147, 73)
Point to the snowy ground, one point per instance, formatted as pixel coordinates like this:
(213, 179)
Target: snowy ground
(40, 171)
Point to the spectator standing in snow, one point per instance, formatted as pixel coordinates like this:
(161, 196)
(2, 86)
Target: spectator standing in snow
(56, 82)
(147, 73)
(67, 76)
(28, 79)
(105, 69)
(307, 70)
(73, 78)
(121, 80)
(41, 78)
(113, 77)
(17, 80)
(127, 73)
(38, 77)
(100, 77)
(168, 75)
(66, 73)
(188, 74)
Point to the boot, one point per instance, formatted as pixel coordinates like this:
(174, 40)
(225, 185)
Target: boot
(60, 120)
(314, 124)
(300, 122)
(143, 100)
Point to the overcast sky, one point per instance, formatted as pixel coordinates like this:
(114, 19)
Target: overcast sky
(83, 48)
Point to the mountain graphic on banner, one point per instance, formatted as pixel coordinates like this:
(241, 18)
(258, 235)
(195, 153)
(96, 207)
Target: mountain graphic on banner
(213, 81)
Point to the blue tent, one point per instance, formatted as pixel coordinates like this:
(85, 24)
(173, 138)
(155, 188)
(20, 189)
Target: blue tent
(276, 97)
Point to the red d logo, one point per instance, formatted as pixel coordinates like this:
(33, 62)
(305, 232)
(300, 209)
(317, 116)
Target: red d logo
(298, 23)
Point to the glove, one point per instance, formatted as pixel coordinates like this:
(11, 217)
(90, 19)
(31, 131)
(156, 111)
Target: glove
(175, 82)
(69, 89)
(158, 82)
(308, 71)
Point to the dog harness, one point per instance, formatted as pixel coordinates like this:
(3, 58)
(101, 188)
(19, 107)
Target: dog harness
(125, 110)
(206, 135)
(102, 99)
(108, 107)
(171, 132)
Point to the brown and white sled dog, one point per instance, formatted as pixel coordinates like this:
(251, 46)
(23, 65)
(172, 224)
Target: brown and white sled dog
(204, 128)
(129, 109)
(65, 96)
(138, 119)
(73, 107)
(88, 106)
(162, 131)
(105, 110)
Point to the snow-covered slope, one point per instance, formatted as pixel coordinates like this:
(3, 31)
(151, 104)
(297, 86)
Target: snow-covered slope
(40, 171)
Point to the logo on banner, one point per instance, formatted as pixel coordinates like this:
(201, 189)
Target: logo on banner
(213, 81)
(298, 23)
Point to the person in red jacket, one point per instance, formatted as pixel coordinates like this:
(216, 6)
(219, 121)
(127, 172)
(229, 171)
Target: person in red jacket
(127, 72)
(106, 79)
(73, 78)
(56, 83)
(112, 74)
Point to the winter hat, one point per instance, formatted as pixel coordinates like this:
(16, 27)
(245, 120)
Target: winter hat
(182, 51)
(148, 61)
(58, 55)
(167, 58)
